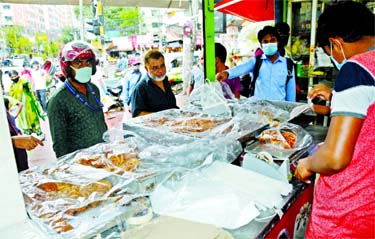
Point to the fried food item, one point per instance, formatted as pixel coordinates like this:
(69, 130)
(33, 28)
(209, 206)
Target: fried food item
(194, 125)
(60, 225)
(112, 162)
(284, 139)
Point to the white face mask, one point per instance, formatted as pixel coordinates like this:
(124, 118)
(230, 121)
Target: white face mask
(155, 78)
(136, 67)
(83, 75)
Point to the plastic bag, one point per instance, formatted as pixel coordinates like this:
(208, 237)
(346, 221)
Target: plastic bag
(209, 99)
(282, 141)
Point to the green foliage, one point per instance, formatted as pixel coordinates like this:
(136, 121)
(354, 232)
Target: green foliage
(67, 34)
(126, 20)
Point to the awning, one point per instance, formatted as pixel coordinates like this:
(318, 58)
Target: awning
(251, 10)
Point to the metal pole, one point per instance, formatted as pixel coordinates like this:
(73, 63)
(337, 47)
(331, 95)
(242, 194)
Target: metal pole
(101, 22)
(314, 10)
(209, 40)
(82, 20)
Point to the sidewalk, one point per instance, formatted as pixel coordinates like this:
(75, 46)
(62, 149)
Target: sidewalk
(44, 155)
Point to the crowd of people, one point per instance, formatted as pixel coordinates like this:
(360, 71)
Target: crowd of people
(343, 205)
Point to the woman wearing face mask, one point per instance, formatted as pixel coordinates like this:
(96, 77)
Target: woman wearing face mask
(274, 81)
(344, 204)
(75, 111)
(153, 92)
(29, 118)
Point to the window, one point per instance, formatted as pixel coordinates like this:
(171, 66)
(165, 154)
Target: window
(8, 18)
(6, 7)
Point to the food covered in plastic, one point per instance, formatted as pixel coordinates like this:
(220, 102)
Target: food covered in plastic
(282, 138)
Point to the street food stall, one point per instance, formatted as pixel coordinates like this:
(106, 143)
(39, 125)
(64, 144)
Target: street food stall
(217, 168)
(179, 167)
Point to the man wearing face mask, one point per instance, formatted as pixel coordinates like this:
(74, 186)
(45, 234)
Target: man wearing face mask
(75, 111)
(153, 93)
(274, 81)
(344, 204)
(130, 80)
(284, 32)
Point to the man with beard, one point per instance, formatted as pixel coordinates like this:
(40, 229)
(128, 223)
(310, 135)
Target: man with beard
(75, 111)
(153, 93)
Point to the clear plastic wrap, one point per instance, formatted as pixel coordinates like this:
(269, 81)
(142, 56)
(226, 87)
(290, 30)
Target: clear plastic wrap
(90, 188)
(282, 141)
(267, 111)
(182, 125)
(219, 194)
(209, 99)
(76, 201)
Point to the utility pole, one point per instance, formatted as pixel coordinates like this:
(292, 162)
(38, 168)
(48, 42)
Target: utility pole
(82, 20)
(97, 9)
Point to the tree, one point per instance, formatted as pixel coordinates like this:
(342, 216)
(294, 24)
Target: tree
(68, 34)
(125, 20)
(13, 37)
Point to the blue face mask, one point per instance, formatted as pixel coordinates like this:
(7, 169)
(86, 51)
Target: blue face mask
(338, 65)
(269, 49)
(83, 75)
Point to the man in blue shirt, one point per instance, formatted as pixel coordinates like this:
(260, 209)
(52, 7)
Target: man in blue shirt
(131, 79)
(271, 83)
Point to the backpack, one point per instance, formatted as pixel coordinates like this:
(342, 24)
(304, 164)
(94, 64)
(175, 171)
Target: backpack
(258, 64)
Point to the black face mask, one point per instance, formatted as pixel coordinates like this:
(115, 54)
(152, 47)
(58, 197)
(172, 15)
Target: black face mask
(283, 41)
(15, 80)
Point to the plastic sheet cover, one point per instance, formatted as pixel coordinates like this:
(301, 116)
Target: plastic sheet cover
(272, 112)
(76, 201)
(185, 125)
(209, 99)
(91, 188)
(219, 194)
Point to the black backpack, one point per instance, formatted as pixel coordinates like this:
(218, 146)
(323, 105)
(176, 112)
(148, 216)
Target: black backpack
(258, 64)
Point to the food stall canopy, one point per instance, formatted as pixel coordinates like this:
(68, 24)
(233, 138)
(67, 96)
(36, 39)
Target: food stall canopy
(251, 10)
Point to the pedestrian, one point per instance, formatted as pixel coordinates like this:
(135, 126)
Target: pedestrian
(153, 93)
(344, 203)
(75, 111)
(26, 73)
(31, 114)
(284, 32)
(234, 83)
(272, 77)
(196, 76)
(40, 85)
(130, 80)
(21, 143)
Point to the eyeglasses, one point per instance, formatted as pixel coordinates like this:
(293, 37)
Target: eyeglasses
(82, 62)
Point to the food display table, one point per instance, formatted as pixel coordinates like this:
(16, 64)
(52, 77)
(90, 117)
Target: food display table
(159, 152)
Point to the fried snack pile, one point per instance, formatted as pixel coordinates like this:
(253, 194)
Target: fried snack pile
(55, 202)
(284, 139)
(190, 124)
(112, 162)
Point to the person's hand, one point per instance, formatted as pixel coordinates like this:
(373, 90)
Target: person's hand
(222, 76)
(321, 91)
(302, 172)
(27, 142)
(127, 109)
